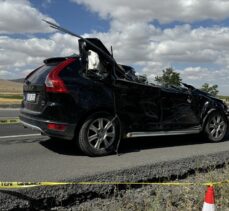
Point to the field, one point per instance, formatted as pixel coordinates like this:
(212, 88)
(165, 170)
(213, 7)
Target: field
(10, 87)
(9, 101)
(10, 92)
(224, 98)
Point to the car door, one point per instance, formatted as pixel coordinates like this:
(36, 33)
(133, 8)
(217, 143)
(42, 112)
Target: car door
(138, 105)
(178, 109)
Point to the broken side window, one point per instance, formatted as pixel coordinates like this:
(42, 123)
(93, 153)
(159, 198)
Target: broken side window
(95, 67)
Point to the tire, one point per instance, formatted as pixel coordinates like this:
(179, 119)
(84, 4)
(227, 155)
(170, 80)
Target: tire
(216, 127)
(98, 134)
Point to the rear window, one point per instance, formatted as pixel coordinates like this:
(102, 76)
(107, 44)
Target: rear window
(39, 76)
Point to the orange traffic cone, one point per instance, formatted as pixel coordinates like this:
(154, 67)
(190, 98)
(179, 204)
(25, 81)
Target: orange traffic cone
(209, 202)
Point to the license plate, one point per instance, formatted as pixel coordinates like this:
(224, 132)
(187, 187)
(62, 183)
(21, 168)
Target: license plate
(31, 97)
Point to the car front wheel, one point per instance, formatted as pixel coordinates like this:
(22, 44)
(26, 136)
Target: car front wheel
(98, 134)
(216, 127)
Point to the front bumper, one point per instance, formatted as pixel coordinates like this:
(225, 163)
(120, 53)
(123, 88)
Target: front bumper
(41, 126)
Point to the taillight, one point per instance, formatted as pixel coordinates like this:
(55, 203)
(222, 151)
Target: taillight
(59, 127)
(53, 82)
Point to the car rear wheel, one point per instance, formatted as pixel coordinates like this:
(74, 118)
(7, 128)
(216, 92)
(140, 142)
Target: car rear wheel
(216, 127)
(98, 135)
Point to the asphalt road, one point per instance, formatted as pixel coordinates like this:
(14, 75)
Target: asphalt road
(9, 112)
(13, 129)
(37, 158)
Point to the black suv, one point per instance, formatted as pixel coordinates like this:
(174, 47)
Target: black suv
(64, 98)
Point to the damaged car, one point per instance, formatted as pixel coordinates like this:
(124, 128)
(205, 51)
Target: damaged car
(93, 100)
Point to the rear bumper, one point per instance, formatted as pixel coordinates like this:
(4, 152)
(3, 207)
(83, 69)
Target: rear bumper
(41, 126)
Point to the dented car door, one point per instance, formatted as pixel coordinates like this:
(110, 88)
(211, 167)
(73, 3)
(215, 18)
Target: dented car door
(178, 109)
(138, 105)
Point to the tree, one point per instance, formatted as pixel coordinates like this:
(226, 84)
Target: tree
(169, 77)
(213, 90)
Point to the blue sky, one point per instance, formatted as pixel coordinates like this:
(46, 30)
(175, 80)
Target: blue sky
(72, 16)
(189, 35)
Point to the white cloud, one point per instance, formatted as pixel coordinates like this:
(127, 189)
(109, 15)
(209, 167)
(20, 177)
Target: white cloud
(164, 10)
(154, 49)
(182, 44)
(19, 56)
(21, 17)
(203, 52)
(199, 75)
(140, 45)
(136, 40)
(195, 73)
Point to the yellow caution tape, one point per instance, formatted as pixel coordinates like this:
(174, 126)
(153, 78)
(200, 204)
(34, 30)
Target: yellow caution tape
(19, 185)
(9, 121)
(15, 185)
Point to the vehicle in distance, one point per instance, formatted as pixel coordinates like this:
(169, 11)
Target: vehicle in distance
(91, 99)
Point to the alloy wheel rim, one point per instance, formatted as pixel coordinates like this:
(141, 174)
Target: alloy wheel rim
(101, 133)
(217, 126)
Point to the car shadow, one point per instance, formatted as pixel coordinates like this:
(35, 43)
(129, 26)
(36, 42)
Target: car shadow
(129, 145)
(60, 146)
(138, 144)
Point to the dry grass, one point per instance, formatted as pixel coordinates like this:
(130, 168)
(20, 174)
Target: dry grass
(9, 101)
(10, 92)
(167, 198)
(10, 87)
(192, 197)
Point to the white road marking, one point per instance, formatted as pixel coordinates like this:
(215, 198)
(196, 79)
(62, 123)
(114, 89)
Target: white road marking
(18, 136)
(9, 117)
(9, 109)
